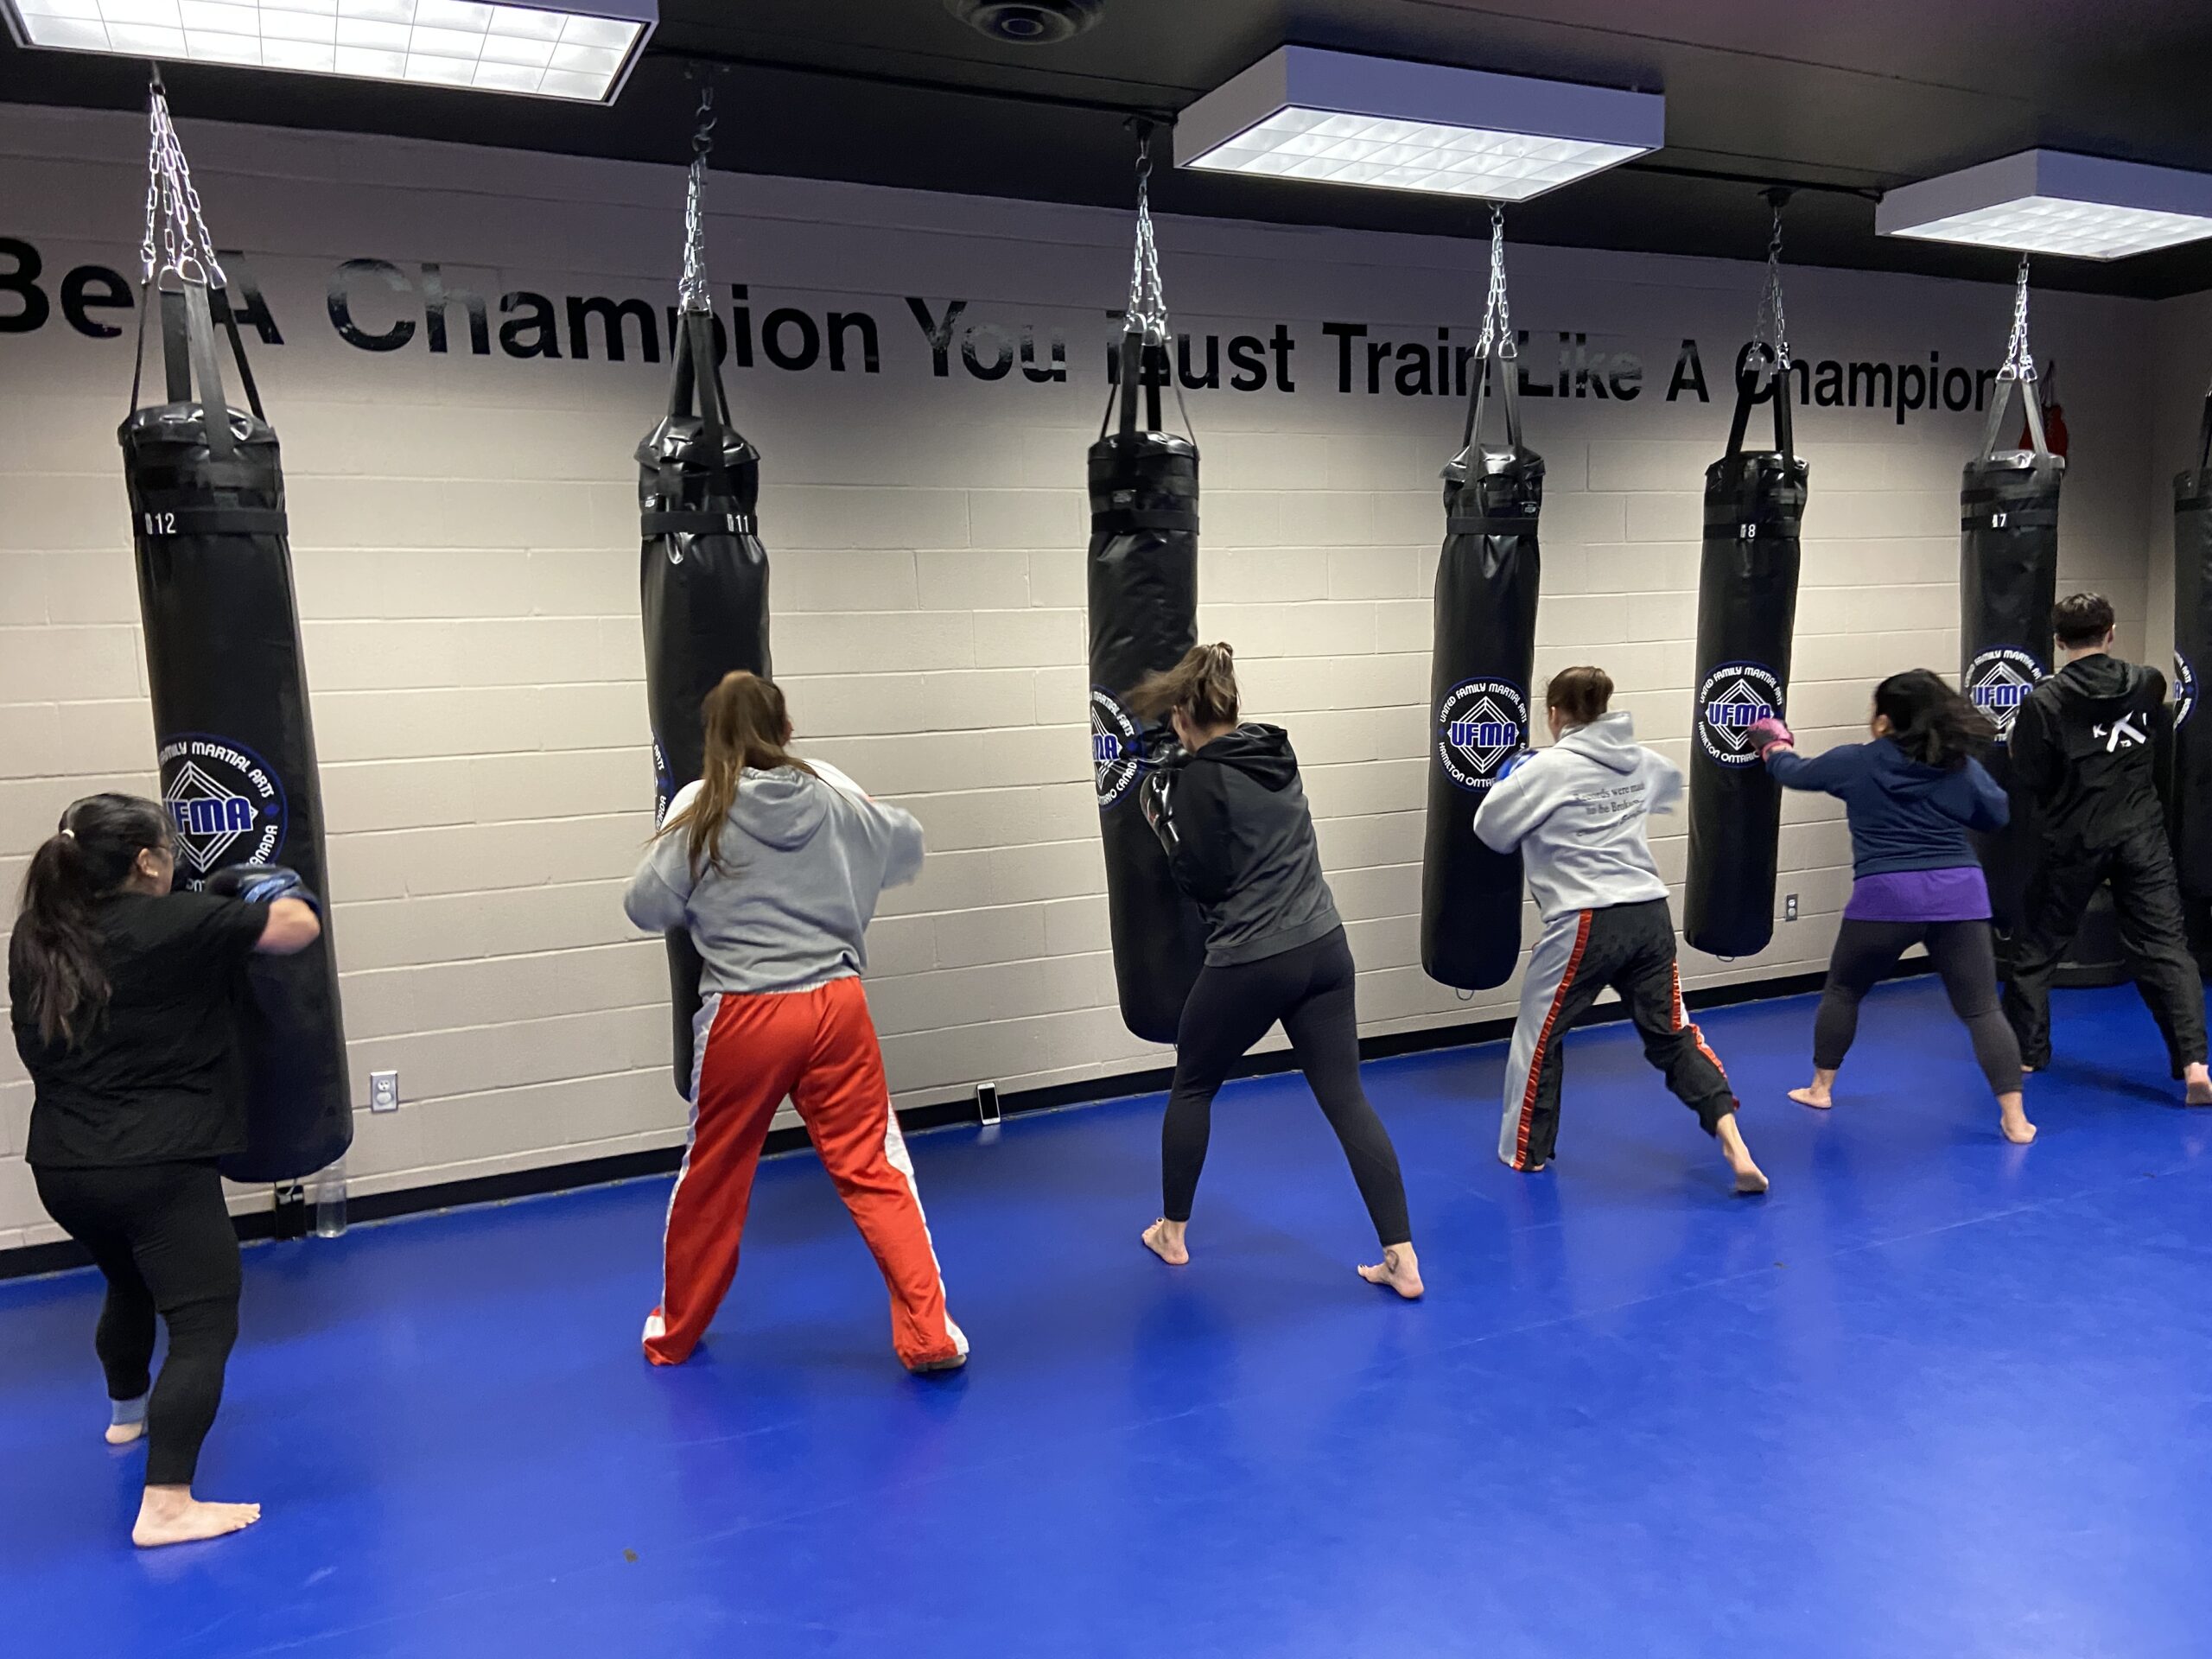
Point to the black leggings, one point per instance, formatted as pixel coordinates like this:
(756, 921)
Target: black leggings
(1967, 965)
(1310, 990)
(163, 1239)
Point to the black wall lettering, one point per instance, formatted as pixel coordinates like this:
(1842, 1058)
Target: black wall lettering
(90, 288)
(341, 304)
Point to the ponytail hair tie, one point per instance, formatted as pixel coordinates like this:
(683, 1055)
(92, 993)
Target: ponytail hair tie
(67, 831)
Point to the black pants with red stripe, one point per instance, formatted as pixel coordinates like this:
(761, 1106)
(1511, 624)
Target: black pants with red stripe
(1628, 949)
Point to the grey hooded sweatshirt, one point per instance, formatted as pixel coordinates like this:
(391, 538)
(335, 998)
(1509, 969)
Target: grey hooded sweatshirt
(803, 861)
(1576, 812)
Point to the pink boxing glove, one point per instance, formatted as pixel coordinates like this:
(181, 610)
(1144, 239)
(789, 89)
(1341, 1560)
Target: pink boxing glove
(1770, 735)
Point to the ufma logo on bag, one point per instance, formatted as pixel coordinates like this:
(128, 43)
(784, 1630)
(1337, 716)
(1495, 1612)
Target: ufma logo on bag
(664, 786)
(2184, 690)
(1998, 682)
(1117, 746)
(225, 805)
(1733, 698)
(1479, 724)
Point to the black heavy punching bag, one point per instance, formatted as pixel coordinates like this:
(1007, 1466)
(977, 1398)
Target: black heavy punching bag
(2192, 785)
(1487, 581)
(703, 572)
(231, 718)
(2008, 581)
(1746, 615)
(1143, 584)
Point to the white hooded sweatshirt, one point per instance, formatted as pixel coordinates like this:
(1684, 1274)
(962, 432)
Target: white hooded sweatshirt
(1576, 812)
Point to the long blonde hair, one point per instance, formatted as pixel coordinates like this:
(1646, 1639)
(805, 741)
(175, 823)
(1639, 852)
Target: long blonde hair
(1203, 685)
(747, 725)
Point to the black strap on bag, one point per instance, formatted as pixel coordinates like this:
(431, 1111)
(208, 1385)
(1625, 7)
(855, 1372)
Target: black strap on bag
(1507, 371)
(2201, 467)
(189, 314)
(1142, 365)
(1747, 394)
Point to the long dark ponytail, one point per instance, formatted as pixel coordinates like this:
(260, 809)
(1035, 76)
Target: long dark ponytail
(54, 949)
(1930, 721)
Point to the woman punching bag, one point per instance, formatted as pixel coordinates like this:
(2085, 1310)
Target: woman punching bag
(703, 573)
(230, 696)
(2192, 785)
(1143, 583)
(1746, 616)
(2008, 581)
(1486, 587)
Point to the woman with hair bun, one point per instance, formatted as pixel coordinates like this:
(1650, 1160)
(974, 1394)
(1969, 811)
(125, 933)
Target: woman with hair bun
(121, 992)
(1911, 795)
(1230, 813)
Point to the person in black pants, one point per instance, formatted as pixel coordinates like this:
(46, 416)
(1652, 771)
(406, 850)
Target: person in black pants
(121, 995)
(1229, 811)
(2093, 748)
(1911, 795)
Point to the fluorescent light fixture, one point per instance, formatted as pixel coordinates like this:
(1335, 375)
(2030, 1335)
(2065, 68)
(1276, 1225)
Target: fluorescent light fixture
(579, 50)
(2051, 202)
(1388, 124)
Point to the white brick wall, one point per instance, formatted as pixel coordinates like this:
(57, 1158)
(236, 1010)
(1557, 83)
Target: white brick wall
(464, 532)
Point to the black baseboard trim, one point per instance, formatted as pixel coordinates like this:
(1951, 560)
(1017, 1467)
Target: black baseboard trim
(32, 1258)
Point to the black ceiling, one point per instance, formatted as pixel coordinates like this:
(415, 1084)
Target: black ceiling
(1857, 96)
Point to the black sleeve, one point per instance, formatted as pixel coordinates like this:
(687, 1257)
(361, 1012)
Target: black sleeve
(1191, 821)
(219, 933)
(2038, 762)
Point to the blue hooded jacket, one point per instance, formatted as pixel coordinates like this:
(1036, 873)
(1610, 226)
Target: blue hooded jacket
(1904, 815)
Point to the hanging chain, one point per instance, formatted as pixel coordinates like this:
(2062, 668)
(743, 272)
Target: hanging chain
(2019, 361)
(691, 292)
(1769, 324)
(186, 252)
(1497, 313)
(1147, 307)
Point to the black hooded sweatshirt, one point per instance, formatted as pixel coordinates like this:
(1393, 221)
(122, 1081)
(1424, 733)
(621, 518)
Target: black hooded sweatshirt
(1240, 842)
(2093, 744)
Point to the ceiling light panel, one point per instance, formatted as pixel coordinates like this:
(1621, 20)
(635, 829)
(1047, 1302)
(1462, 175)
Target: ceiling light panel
(2051, 201)
(578, 54)
(1383, 123)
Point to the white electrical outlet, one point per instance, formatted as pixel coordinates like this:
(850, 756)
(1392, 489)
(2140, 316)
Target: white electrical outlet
(1789, 907)
(383, 1091)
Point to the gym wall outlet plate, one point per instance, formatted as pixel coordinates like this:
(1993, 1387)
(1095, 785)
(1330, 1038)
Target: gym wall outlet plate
(577, 50)
(383, 1091)
(1385, 123)
(2053, 201)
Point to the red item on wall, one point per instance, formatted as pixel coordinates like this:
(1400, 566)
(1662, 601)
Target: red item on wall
(2054, 414)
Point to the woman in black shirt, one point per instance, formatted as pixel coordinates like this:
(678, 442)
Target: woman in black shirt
(120, 995)
(1230, 813)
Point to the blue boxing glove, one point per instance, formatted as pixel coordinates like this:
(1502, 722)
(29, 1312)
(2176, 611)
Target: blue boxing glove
(1770, 735)
(1514, 762)
(262, 884)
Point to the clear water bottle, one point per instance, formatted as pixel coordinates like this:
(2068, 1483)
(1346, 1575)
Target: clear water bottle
(330, 1201)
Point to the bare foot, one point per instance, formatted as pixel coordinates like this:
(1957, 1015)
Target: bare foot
(1399, 1269)
(2199, 1081)
(1819, 1093)
(171, 1515)
(1750, 1180)
(1163, 1238)
(124, 1434)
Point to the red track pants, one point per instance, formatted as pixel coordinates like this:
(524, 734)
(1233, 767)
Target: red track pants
(818, 1048)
